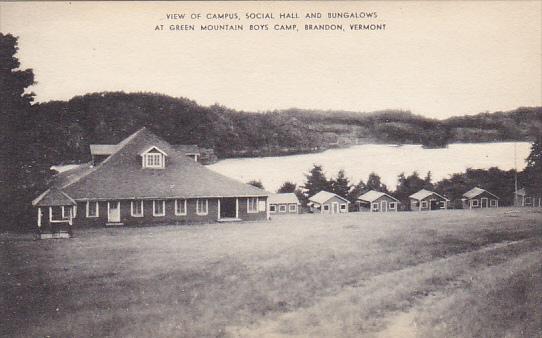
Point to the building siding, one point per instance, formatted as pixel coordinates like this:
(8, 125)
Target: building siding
(478, 204)
(414, 206)
(191, 216)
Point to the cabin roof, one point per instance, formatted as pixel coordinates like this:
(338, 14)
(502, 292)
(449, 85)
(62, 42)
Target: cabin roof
(53, 197)
(422, 194)
(476, 192)
(121, 176)
(373, 195)
(324, 196)
(283, 198)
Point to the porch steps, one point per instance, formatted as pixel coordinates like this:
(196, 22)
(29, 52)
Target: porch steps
(54, 235)
(114, 224)
(228, 220)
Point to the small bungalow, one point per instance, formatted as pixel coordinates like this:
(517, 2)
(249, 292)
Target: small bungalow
(478, 198)
(285, 203)
(145, 181)
(427, 200)
(523, 199)
(326, 202)
(376, 201)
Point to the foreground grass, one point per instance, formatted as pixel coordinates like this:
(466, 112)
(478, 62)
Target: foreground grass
(451, 273)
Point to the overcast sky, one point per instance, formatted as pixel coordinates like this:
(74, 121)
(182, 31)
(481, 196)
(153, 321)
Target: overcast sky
(436, 59)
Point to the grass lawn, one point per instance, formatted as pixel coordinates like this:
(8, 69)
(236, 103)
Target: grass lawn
(433, 274)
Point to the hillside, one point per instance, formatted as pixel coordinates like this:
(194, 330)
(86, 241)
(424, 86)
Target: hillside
(68, 127)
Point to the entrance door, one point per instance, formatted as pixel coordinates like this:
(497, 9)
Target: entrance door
(383, 206)
(484, 202)
(113, 212)
(227, 208)
(433, 205)
(334, 208)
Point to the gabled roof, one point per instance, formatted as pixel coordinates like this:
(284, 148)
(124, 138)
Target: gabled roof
(53, 197)
(155, 148)
(373, 195)
(323, 196)
(121, 176)
(284, 198)
(420, 195)
(476, 192)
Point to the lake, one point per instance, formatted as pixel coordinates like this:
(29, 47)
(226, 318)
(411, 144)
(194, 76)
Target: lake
(388, 161)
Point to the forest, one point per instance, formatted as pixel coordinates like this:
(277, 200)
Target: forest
(68, 127)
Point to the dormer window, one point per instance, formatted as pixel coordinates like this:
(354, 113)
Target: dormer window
(154, 158)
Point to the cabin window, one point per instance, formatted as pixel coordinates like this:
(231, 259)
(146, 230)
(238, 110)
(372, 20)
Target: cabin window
(252, 205)
(493, 203)
(326, 207)
(293, 208)
(474, 203)
(93, 209)
(282, 208)
(343, 207)
(202, 206)
(137, 209)
(180, 207)
(424, 204)
(272, 208)
(159, 208)
(528, 200)
(374, 206)
(66, 212)
(393, 205)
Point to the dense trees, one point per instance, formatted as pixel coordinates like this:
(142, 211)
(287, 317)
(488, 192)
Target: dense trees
(23, 159)
(110, 117)
(287, 187)
(533, 171)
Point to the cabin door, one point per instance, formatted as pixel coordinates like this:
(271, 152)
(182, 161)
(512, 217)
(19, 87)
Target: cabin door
(113, 212)
(484, 202)
(383, 206)
(334, 208)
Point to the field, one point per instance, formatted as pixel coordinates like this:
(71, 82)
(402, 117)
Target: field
(434, 274)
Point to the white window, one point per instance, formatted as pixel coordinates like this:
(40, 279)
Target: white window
(493, 203)
(293, 208)
(93, 209)
(474, 203)
(202, 206)
(137, 209)
(424, 204)
(282, 208)
(158, 208)
(375, 206)
(393, 205)
(272, 208)
(343, 207)
(180, 207)
(252, 205)
(154, 160)
(66, 212)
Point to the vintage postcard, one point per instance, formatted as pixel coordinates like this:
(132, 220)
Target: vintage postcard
(271, 169)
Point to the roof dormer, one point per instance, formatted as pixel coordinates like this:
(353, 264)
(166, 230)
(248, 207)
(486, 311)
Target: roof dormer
(153, 158)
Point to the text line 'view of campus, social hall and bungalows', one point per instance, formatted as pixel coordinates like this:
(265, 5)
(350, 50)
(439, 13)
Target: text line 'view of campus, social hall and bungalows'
(144, 180)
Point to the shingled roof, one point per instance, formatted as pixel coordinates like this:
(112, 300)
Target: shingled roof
(283, 198)
(420, 195)
(121, 176)
(53, 197)
(373, 195)
(324, 196)
(476, 192)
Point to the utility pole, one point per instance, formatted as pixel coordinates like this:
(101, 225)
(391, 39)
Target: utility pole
(515, 177)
